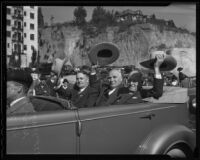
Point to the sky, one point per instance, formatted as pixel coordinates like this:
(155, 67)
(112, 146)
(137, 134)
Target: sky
(183, 15)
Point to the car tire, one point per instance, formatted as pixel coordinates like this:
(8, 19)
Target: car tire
(179, 151)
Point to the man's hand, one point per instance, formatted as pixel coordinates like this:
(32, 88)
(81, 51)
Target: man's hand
(159, 60)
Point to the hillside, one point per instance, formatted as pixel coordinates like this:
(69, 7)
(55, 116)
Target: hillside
(133, 41)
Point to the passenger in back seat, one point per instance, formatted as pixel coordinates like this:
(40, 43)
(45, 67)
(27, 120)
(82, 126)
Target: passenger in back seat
(135, 93)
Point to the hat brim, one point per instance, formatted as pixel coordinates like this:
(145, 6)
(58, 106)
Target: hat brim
(168, 64)
(103, 54)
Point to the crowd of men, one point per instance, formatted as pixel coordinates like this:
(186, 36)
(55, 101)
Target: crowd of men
(88, 91)
(91, 88)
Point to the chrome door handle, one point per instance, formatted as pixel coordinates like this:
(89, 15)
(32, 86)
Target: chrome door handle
(78, 128)
(148, 116)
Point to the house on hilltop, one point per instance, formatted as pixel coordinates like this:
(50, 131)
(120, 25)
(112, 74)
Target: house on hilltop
(131, 16)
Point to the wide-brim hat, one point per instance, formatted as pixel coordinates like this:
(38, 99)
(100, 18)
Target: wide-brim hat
(168, 64)
(103, 54)
(20, 75)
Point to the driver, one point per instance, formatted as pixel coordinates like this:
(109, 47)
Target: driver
(18, 84)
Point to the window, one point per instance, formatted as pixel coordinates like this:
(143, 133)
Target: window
(8, 22)
(32, 15)
(32, 47)
(15, 47)
(24, 13)
(24, 24)
(25, 47)
(8, 33)
(24, 35)
(32, 7)
(8, 10)
(31, 36)
(19, 25)
(8, 45)
(31, 26)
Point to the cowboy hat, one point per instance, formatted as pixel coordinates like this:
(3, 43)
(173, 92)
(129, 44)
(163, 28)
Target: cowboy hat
(103, 54)
(168, 64)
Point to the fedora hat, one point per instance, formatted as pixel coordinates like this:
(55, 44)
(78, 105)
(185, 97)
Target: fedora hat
(103, 54)
(20, 75)
(168, 64)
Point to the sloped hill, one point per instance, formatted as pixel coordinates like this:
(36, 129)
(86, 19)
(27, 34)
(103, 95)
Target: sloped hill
(133, 42)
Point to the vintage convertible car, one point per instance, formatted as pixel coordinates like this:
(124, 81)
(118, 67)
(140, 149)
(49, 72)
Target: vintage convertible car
(144, 128)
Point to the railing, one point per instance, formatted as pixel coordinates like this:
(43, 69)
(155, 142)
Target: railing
(15, 39)
(17, 16)
(17, 28)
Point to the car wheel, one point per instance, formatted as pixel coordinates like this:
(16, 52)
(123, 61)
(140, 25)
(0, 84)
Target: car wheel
(176, 153)
(179, 151)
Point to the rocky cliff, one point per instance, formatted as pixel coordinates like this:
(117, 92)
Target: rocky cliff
(133, 42)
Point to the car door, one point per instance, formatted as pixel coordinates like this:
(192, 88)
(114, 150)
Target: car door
(115, 129)
(51, 132)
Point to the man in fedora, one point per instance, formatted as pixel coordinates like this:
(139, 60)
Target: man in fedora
(18, 83)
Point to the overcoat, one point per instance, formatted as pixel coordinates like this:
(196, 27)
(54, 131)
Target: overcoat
(22, 106)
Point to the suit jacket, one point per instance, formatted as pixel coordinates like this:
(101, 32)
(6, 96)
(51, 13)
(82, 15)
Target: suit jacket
(51, 87)
(105, 99)
(42, 89)
(22, 106)
(64, 93)
(86, 98)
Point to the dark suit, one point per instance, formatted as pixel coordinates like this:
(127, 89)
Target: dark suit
(42, 89)
(106, 99)
(86, 98)
(51, 86)
(22, 106)
(64, 93)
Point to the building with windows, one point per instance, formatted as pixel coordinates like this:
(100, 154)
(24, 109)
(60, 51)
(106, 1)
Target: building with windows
(22, 34)
(131, 16)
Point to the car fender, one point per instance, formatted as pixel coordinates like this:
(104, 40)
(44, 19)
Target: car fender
(162, 138)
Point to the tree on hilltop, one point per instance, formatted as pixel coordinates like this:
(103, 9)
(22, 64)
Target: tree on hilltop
(40, 18)
(80, 15)
(102, 18)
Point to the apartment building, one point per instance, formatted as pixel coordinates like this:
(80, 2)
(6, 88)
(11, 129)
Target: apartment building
(22, 34)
